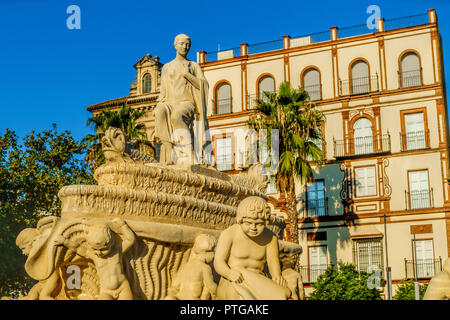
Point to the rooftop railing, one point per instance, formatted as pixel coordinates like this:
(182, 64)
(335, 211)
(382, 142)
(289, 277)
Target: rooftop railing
(322, 36)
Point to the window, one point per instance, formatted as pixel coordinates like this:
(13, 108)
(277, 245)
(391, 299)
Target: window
(360, 77)
(414, 131)
(368, 254)
(272, 185)
(316, 202)
(223, 98)
(365, 181)
(419, 193)
(147, 83)
(224, 153)
(423, 258)
(266, 83)
(410, 74)
(317, 262)
(311, 84)
(362, 136)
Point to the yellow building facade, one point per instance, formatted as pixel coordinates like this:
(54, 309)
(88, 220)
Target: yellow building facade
(382, 194)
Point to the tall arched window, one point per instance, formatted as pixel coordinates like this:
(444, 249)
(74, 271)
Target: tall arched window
(147, 83)
(311, 83)
(360, 77)
(223, 98)
(266, 83)
(362, 136)
(410, 71)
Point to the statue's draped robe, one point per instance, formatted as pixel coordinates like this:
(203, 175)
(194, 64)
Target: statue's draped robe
(181, 100)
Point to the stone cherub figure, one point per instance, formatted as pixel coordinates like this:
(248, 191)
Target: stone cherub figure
(288, 259)
(194, 280)
(29, 240)
(242, 253)
(439, 286)
(181, 124)
(106, 251)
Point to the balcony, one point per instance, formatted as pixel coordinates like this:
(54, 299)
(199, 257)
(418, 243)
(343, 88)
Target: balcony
(412, 78)
(422, 268)
(314, 91)
(317, 207)
(415, 140)
(362, 146)
(311, 273)
(360, 85)
(419, 199)
(222, 106)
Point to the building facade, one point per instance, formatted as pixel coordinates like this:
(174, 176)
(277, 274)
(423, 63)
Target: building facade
(381, 197)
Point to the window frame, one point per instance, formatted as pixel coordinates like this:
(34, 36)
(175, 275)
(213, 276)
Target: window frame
(400, 57)
(324, 198)
(430, 205)
(353, 62)
(214, 143)
(302, 79)
(260, 78)
(355, 179)
(309, 258)
(215, 100)
(356, 259)
(403, 127)
(144, 77)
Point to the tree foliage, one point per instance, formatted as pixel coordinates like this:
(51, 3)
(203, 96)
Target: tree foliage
(31, 174)
(405, 290)
(344, 283)
(126, 119)
(298, 121)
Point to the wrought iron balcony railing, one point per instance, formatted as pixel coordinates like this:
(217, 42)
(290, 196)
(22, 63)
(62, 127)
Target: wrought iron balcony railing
(422, 268)
(314, 91)
(415, 140)
(251, 100)
(311, 273)
(419, 199)
(411, 78)
(378, 144)
(223, 106)
(358, 85)
(317, 207)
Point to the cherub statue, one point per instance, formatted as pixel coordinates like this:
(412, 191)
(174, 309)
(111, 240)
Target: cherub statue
(44, 289)
(439, 286)
(106, 251)
(194, 280)
(243, 251)
(288, 259)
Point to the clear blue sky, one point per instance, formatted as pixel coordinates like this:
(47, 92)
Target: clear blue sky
(49, 74)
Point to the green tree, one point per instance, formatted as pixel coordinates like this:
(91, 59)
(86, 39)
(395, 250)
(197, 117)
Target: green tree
(31, 174)
(405, 290)
(344, 283)
(298, 121)
(126, 119)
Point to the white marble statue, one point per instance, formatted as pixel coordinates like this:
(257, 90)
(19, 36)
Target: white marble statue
(180, 114)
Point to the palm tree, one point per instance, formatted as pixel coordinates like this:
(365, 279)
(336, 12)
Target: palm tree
(298, 121)
(125, 119)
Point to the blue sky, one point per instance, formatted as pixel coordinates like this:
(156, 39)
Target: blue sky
(49, 74)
